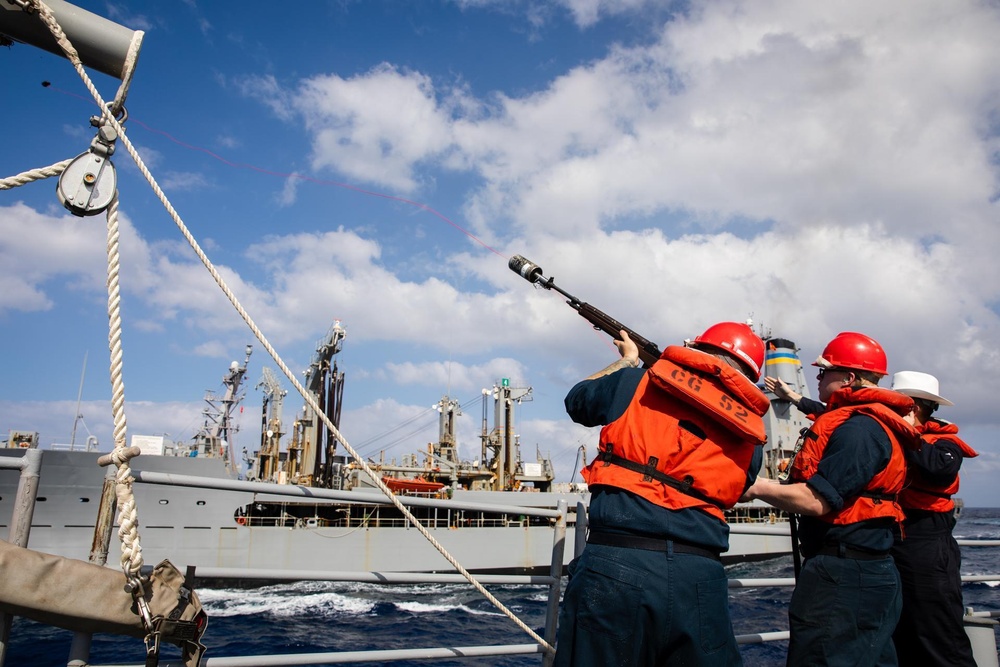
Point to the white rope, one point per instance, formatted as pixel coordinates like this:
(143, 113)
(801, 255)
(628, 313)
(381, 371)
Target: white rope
(128, 69)
(131, 559)
(128, 516)
(34, 175)
(46, 15)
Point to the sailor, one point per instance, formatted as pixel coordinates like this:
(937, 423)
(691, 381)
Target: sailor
(845, 483)
(930, 630)
(681, 442)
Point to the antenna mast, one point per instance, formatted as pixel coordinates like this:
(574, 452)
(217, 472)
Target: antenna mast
(79, 396)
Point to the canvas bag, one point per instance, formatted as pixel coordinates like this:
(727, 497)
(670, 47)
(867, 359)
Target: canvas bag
(83, 597)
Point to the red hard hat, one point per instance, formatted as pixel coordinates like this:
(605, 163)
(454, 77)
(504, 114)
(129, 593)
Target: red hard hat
(854, 351)
(737, 339)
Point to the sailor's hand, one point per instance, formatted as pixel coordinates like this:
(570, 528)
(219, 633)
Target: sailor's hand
(628, 349)
(775, 386)
(780, 388)
(754, 491)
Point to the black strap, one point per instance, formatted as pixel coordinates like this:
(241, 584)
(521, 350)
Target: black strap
(649, 544)
(878, 496)
(650, 472)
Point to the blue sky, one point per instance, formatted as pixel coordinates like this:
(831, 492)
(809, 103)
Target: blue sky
(819, 168)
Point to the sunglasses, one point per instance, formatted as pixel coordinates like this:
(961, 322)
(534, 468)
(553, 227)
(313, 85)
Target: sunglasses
(823, 371)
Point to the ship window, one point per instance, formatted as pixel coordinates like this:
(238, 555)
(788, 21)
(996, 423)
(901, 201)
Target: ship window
(84, 500)
(164, 501)
(200, 503)
(41, 499)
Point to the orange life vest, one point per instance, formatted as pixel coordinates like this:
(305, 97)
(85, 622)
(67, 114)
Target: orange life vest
(687, 437)
(879, 498)
(921, 494)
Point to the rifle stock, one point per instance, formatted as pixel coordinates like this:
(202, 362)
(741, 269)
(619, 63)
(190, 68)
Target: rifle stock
(649, 352)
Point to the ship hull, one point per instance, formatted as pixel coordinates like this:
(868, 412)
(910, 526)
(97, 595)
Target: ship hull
(200, 527)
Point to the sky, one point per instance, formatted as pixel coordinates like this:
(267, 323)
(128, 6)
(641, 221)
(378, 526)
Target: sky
(817, 167)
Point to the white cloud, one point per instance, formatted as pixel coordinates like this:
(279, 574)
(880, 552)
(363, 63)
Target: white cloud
(364, 126)
(455, 376)
(38, 250)
(290, 192)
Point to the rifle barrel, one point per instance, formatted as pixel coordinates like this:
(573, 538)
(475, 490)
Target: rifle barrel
(533, 274)
(649, 352)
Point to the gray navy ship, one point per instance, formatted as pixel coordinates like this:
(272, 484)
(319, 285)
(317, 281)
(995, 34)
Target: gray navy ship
(236, 529)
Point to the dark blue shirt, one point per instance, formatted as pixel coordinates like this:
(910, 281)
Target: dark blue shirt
(938, 463)
(602, 401)
(858, 450)
(809, 406)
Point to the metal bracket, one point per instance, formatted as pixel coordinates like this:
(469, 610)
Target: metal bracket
(88, 185)
(136, 587)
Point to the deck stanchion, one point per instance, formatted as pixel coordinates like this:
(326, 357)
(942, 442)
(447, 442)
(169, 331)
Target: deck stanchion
(20, 521)
(552, 609)
(79, 650)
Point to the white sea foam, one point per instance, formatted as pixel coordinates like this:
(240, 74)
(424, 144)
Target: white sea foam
(424, 608)
(327, 599)
(284, 601)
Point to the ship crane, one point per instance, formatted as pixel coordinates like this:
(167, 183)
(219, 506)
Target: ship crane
(313, 444)
(268, 458)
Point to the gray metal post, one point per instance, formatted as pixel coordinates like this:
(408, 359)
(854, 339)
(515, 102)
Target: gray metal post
(984, 639)
(20, 523)
(79, 650)
(555, 589)
(24, 503)
(102, 44)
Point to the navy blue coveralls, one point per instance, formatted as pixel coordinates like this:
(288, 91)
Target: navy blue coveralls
(847, 599)
(931, 631)
(651, 605)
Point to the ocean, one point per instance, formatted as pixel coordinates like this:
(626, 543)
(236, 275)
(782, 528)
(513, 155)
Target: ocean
(309, 617)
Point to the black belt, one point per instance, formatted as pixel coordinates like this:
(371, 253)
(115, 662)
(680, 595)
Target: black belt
(649, 544)
(841, 551)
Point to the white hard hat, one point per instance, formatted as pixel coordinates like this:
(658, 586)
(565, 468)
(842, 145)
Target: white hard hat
(918, 385)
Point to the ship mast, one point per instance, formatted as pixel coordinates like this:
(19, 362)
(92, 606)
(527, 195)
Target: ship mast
(79, 397)
(216, 435)
(502, 441)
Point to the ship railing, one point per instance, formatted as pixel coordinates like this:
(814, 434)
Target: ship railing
(361, 497)
(377, 521)
(979, 625)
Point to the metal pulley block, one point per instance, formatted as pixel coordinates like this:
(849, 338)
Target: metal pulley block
(88, 185)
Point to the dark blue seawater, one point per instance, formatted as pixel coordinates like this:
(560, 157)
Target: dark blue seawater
(319, 617)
